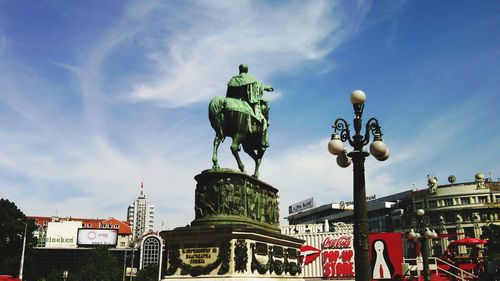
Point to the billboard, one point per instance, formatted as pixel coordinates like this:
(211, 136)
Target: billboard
(386, 255)
(330, 255)
(301, 206)
(62, 234)
(96, 237)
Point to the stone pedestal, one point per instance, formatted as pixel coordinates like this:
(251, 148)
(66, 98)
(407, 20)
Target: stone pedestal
(235, 234)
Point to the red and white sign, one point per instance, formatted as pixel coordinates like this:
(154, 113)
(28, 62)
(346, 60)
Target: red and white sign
(94, 237)
(338, 256)
(386, 254)
(309, 254)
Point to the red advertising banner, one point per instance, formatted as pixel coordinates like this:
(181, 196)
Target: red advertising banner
(386, 255)
(336, 253)
(338, 256)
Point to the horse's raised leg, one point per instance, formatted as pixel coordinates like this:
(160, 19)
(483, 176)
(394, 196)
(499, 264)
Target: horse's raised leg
(234, 149)
(217, 141)
(257, 158)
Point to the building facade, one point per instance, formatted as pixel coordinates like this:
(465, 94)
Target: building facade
(453, 210)
(141, 215)
(379, 209)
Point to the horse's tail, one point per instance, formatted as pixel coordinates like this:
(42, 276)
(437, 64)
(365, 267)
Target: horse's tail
(216, 114)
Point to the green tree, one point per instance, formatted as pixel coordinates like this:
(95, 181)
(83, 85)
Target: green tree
(12, 229)
(57, 275)
(149, 273)
(100, 265)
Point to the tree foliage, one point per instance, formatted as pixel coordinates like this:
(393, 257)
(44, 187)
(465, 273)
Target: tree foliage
(149, 273)
(12, 228)
(100, 265)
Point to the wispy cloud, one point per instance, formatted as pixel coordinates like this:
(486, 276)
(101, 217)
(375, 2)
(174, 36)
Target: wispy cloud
(192, 59)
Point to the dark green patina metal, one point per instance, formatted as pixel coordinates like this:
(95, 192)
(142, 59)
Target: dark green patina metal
(242, 115)
(274, 263)
(228, 197)
(240, 255)
(176, 262)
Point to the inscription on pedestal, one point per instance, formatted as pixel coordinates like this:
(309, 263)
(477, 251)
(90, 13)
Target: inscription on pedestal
(199, 256)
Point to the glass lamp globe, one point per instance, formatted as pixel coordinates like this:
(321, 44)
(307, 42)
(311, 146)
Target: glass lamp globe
(385, 156)
(343, 160)
(412, 234)
(420, 212)
(358, 97)
(335, 145)
(428, 233)
(378, 148)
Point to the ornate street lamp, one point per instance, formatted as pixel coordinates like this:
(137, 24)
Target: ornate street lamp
(379, 150)
(21, 266)
(423, 231)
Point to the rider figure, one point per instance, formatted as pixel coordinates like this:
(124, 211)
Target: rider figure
(245, 87)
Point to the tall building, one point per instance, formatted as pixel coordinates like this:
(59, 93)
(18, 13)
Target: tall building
(141, 215)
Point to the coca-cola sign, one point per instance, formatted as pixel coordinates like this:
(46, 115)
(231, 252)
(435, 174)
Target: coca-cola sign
(340, 242)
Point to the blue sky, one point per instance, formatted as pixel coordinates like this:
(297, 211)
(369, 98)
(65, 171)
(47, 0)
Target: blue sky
(97, 96)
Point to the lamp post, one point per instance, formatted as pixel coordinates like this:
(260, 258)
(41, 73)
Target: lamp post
(65, 275)
(341, 134)
(423, 231)
(21, 264)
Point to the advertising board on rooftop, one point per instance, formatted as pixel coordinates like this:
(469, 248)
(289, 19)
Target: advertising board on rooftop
(301, 206)
(96, 237)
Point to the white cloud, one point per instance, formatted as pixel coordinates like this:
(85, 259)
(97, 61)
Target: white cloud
(194, 51)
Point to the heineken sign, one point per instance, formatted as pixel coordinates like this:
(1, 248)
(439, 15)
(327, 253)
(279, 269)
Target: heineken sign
(62, 234)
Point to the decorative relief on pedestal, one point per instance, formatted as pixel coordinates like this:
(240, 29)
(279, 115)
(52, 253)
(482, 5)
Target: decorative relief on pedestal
(240, 255)
(274, 259)
(292, 268)
(265, 256)
(198, 256)
(233, 194)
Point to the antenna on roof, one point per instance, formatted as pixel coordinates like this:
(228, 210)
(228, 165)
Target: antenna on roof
(142, 188)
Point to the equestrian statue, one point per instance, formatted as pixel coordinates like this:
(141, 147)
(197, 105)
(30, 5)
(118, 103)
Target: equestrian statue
(242, 115)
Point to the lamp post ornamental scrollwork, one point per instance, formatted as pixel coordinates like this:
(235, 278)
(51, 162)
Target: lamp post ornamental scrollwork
(379, 150)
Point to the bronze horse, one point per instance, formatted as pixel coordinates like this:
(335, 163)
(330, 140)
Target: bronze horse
(242, 127)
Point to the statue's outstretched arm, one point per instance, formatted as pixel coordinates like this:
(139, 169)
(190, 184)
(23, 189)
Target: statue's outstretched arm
(268, 88)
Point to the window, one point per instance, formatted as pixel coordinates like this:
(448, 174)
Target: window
(122, 244)
(465, 200)
(419, 205)
(151, 251)
(497, 198)
(448, 202)
(482, 199)
(432, 204)
(484, 217)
